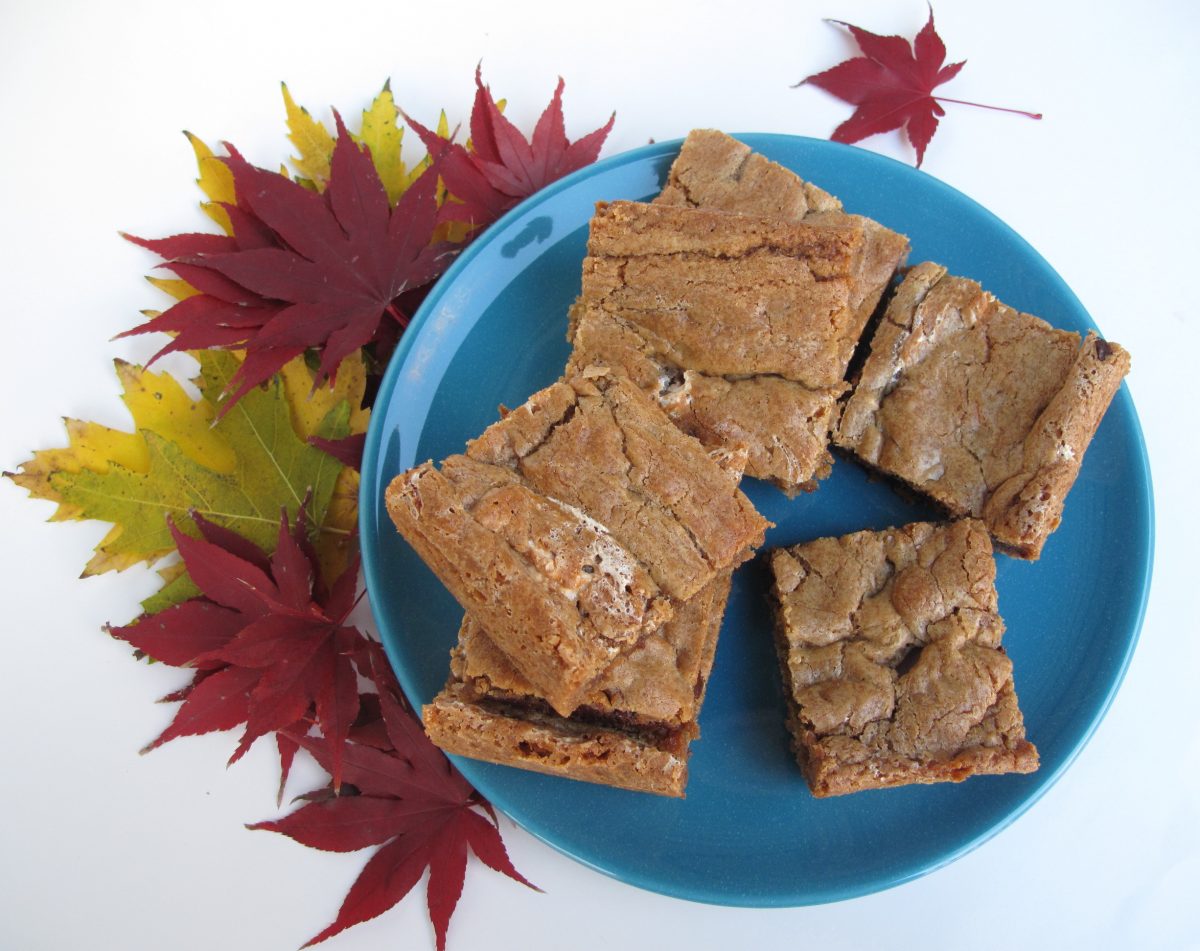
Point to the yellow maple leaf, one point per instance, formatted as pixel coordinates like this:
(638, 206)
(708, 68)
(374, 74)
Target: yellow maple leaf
(158, 403)
(175, 286)
(443, 132)
(309, 407)
(384, 137)
(238, 470)
(312, 139)
(452, 231)
(90, 446)
(216, 181)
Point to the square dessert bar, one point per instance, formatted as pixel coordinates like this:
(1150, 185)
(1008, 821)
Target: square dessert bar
(574, 526)
(717, 172)
(634, 725)
(985, 409)
(741, 327)
(890, 648)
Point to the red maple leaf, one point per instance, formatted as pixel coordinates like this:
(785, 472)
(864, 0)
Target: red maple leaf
(270, 647)
(302, 270)
(502, 166)
(402, 794)
(892, 85)
(348, 450)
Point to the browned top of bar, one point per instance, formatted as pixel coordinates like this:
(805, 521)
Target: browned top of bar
(986, 409)
(736, 300)
(717, 172)
(890, 643)
(732, 295)
(783, 425)
(573, 526)
(596, 442)
(658, 682)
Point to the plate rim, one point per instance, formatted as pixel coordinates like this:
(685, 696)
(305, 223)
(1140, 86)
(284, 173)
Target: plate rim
(369, 490)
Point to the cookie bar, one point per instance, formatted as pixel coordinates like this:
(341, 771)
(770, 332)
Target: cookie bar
(632, 729)
(741, 327)
(889, 644)
(987, 410)
(574, 526)
(717, 172)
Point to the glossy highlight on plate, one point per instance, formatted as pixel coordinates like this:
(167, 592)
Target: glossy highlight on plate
(749, 832)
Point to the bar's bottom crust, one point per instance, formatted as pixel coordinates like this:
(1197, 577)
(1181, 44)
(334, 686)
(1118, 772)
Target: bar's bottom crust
(835, 766)
(558, 746)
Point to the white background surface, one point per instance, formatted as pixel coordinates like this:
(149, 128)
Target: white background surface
(102, 848)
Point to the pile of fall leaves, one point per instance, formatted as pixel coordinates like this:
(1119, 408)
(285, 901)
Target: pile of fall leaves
(246, 497)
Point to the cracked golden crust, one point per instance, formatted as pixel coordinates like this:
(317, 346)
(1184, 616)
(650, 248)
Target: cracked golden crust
(784, 426)
(987, 410)
(716, 172)
(695, 298)
(889, 644)
(574, 526)
(519, 560)
(657, 684)
(740, 327)
(597, 442)
(643, 762)
(731, 294)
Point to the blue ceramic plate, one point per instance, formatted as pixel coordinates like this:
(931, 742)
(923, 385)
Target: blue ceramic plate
(749, 833)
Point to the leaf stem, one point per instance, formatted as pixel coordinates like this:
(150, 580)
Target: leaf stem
(394, 313)
(980, 105)
(350, 610)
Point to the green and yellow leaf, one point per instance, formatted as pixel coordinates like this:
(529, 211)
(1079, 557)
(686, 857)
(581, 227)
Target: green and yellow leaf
(238, 470)
(177, 587)
(310, 408)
